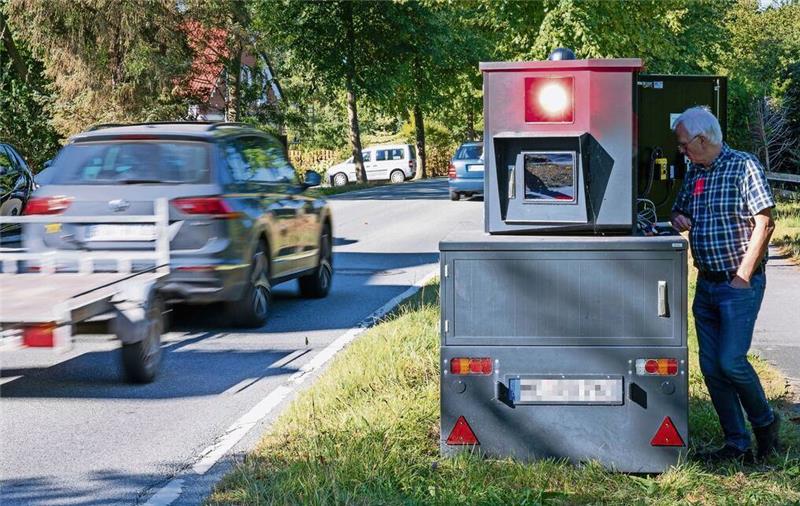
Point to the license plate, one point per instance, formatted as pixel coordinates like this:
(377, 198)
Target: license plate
(120, 233)
(475, 168)
(566, 391)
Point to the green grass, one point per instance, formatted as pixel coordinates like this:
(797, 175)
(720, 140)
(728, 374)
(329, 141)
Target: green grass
(367, 432)
(787, 227)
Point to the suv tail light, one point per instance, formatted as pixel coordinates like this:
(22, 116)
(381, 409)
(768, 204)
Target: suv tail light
(47, 205)
(451, 171)
(216, 207)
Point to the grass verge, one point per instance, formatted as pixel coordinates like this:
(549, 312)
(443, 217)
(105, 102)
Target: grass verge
(787, 227)
(367, 433)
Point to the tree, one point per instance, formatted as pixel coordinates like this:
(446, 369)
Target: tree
(24, 101)
(771, 133)
(761, 46)
(108, 61)
(340, 45)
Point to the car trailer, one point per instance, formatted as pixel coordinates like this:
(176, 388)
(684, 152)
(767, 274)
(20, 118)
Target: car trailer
(564, 324)
(43, 294)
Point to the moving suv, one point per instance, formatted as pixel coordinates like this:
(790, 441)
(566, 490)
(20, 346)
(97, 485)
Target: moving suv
(239, 219)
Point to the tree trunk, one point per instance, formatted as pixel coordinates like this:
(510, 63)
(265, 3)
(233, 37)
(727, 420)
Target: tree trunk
(470, 124)
(419, 128)
(234, 84)
(11, 48)
(352, 105)
(355, 132)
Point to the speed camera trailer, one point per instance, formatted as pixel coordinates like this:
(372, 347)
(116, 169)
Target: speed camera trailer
(564, 323)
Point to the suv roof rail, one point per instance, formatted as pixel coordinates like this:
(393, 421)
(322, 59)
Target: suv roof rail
(222, 124)
(100, 126)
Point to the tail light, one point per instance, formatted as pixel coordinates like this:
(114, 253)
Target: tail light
(657, 367)
(411, 164)
(482, 366)
(47, 205)
(451, 171)
(216, 207)
(39, 335)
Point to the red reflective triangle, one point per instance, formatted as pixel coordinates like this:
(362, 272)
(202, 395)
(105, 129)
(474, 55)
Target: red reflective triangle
(462, 434)
(667, 435)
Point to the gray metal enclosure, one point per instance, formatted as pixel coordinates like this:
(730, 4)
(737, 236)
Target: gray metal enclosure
(575, 314)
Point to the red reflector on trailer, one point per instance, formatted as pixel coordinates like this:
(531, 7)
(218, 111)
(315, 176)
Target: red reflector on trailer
(667, 435)
(39, 335)
(462, 434)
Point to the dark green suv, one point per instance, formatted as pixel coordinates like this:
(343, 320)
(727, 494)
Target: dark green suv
(240, 220)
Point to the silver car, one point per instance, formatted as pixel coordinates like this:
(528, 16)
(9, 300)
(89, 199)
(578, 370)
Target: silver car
(240, 221)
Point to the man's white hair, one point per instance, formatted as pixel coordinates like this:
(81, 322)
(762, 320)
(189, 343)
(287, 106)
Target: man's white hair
(699, 121)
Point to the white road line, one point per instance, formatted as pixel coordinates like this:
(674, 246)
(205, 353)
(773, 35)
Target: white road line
(170, 492)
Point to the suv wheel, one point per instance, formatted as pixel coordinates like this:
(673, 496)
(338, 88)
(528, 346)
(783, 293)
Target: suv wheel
(340, 179)
(252, 309)
(317, 284)
(397, 176)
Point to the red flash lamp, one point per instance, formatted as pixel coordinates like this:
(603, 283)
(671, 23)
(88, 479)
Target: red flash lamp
(549, 100)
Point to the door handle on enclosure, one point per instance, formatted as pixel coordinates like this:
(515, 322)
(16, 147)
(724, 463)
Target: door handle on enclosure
(663, 310)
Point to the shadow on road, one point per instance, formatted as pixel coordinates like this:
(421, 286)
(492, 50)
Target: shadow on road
(433, 189)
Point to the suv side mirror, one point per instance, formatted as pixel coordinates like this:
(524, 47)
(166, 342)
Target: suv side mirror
(311, 178)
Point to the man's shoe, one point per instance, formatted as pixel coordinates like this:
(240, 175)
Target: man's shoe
(727, 453)
(767, 438)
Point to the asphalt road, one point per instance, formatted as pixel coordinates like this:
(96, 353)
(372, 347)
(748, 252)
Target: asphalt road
(776, 331)
(73, 433)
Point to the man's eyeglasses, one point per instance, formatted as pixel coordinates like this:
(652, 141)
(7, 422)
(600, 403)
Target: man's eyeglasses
(683, 145)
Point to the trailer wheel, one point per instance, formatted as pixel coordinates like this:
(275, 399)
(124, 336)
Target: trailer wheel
(142, 359)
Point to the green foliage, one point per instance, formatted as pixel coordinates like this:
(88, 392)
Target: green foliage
(25, 104)
(107, 60)
(761, 47)
(671, 36)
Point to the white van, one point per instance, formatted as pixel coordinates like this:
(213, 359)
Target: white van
(395, 162)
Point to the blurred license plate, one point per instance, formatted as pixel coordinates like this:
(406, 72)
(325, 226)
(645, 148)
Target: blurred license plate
(475, 168)
(120, 233)
(566, 391)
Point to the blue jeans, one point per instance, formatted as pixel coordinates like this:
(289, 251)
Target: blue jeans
(724, 318)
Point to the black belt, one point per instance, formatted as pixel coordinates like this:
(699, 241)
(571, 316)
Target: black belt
(722, 276)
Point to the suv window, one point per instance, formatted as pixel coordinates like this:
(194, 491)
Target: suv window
(365, 155)
(259, 160)
(123, 162)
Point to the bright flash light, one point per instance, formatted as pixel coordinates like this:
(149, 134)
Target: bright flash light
(553, 98)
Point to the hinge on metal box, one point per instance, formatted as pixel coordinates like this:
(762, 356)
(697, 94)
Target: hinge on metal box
(445, 270)
(446, 326)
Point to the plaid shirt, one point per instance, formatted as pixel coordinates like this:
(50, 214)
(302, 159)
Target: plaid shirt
(721, 201)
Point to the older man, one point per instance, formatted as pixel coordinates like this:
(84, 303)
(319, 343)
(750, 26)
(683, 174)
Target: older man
(725, 204)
